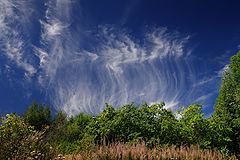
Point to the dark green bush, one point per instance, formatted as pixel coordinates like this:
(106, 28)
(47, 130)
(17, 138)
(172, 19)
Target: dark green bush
(38, 116)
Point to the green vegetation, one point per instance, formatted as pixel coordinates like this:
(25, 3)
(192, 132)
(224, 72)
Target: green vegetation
(227, 110)
(151, 128)
(38, 116)
(19, 140)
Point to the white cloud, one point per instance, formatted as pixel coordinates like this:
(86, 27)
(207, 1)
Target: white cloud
(204, 81)
(118, 49)
(12, 26)
(166, 44)
(51, 29)
(171, 105)
(117, 68)
(42, 55)
(117, 71)
(223, 70)
(203, 98)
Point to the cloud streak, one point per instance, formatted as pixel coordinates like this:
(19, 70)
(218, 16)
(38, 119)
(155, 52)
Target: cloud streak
(117, 68)
(13, 25)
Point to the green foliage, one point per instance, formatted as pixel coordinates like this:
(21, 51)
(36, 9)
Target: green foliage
(102, 128)
(58, 127)
(151, 124)
(38, 116)
(77, 125)
(194, 127)
(227, 109)
(21, 141)
(164, 125)
(66, 134)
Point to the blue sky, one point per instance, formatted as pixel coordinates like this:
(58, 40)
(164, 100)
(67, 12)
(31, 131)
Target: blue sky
(76, 55)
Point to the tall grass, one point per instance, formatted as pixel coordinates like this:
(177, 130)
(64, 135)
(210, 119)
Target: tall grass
(121, 151)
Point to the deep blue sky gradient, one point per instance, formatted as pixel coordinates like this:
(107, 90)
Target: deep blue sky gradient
(213, 26)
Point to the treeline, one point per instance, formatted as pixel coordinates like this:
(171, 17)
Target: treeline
(152, 125)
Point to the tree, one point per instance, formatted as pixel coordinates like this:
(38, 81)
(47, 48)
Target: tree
(157, 125)
(58, 127)
(38, 116)
(227, 108)
(126, 123)
(193, 125)
(77, 125)
(102, 127)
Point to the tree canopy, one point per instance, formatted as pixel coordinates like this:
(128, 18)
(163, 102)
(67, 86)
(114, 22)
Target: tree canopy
(227, 108)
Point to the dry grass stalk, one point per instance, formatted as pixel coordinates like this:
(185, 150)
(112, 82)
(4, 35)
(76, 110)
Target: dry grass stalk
(119, 151)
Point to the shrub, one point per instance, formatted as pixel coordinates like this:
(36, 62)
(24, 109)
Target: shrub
(20, 141)
(38, 116)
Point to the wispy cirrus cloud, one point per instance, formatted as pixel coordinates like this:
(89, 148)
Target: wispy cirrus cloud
(117, 70)
(221, 72)
(54, 29)
(13, 23)
(205, 81)
(51, 29)
(116, 67)
(203, 98)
